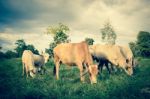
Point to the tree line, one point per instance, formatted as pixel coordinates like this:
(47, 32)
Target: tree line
(140, 47)
(20, 47)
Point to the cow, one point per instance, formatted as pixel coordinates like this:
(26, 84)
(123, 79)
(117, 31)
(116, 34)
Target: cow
(31, 62)
(40, 60)
(75, 54)
(28, 63)
(111, 54)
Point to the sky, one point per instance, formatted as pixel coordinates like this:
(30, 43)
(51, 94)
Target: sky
(28, 20)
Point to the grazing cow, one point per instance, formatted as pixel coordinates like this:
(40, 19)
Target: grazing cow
(28, 63)
(32, 61)
(75, 54)
(110, 54)
(40, 60)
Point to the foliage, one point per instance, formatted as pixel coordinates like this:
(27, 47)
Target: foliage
(108, 34)
(60, 28)
(50, 49)
(21, 46)
(142, 46)
(2, 55)
(32, 48)
(143, 43)
(134, 49)
(59, 36)
(10, 54)
(89, 41)
(115, 86)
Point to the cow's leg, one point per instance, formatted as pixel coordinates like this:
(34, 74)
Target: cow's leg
(112, 67)
(23, 66)
(81, 71)
(27, 71)
(106, 64)
(56, 67)
(100, 65)
(32, 73)
(57, 70)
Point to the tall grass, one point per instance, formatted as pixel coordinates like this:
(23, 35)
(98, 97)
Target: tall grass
(115, 86)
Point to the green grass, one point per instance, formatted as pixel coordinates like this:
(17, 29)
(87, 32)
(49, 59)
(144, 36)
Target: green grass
(115, 86)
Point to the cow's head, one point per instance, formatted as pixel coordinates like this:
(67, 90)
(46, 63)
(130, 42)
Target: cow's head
(121, 62)
(129, 69)
(93, 71)
(46, 57)
(126, 66)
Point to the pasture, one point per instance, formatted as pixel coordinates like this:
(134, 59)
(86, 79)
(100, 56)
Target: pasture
(118, 85)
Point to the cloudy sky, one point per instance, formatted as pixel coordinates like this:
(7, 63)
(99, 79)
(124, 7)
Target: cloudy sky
(28, 19)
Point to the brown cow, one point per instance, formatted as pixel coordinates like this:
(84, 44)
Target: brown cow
(78, 54)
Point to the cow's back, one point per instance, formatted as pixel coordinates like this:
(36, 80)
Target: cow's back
(27, 59)
(110, 52)
(72, 52)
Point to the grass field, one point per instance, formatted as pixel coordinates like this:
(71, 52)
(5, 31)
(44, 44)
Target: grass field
(115, 86)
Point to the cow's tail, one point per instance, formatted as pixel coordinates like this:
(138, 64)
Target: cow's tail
(54, 70)
(55, 61)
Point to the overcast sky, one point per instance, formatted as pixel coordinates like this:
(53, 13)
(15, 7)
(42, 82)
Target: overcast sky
(28, 19)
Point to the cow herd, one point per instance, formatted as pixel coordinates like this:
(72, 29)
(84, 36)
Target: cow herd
(82, 56)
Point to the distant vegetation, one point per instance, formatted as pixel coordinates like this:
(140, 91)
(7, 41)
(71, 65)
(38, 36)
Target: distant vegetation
(20, 47)
(108, 34)
(140, 47)
(59, 36)
(90, 41)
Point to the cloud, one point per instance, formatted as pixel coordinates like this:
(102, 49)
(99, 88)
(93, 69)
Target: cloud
(29, 19)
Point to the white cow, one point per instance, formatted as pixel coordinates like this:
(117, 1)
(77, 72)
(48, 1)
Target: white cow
(112, 54)
(32, 61)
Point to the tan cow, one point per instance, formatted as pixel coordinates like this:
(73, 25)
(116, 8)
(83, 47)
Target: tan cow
(113, 54)
(75, 53)
(32, 61)
(28, 63)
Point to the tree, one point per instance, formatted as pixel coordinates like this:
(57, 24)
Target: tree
(89, 41)
(59, 36)
(143, 43)
(134, 48)
(108, 34)
(21, 46)
(59, 33)
(142, 46)
(10, 54)
(32, 48)
(50, 49)
(2, 55)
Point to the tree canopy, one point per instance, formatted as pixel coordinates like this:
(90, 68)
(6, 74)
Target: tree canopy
(21, 46)
(59, 34)
(89, 41)
(108, 34)
(142, 46)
